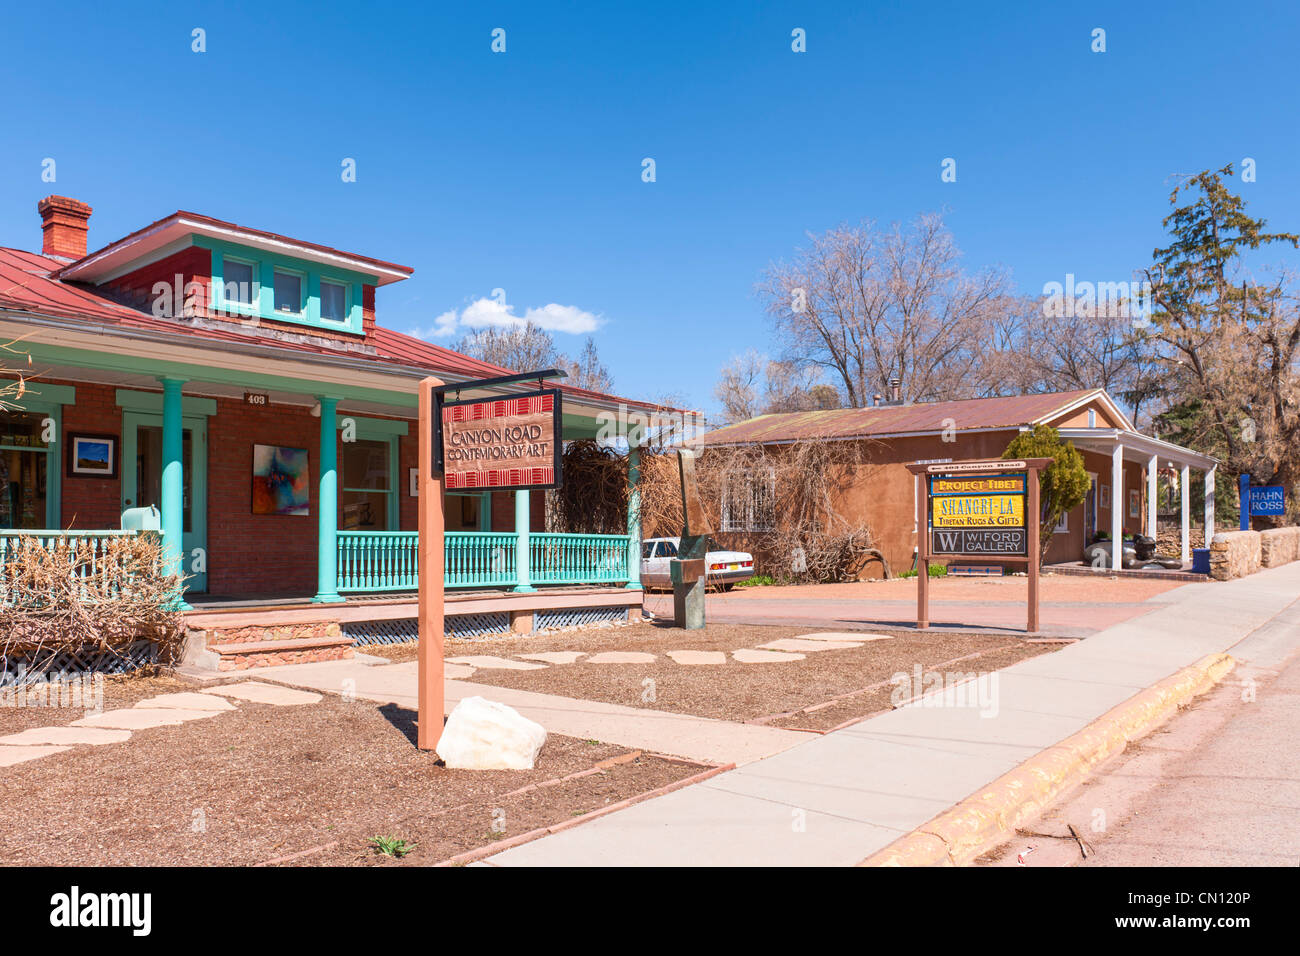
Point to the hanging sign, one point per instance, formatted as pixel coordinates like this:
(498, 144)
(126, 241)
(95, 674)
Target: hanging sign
(501, 444)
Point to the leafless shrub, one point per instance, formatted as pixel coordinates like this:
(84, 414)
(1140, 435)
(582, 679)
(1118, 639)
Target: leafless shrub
(73, 596)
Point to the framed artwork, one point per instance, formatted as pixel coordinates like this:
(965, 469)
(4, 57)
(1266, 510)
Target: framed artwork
(1105, 495)
(281, 481)
(413, 480)
(1134, 503)
(92, 456)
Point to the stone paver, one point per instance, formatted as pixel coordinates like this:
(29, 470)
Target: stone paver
(856, 636)
(129, 718)
(187, 700)
(457, 671)
(265, 694)
(94, 736)
(698, 658)
(489, 662)
(749, 655)
(12, 755)
(621, 657)
(798, 644)
(554, 657)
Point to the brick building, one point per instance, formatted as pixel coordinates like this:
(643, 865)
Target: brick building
(881, 494)
(238, 381)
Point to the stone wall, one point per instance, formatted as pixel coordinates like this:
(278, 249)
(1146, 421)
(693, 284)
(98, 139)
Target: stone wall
(1279, 546)
(1234, 554)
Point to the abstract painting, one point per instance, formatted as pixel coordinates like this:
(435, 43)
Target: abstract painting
(281, 481)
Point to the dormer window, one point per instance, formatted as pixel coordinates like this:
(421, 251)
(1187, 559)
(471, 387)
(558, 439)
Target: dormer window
(288, 292)
(333, 301)
(239, 281)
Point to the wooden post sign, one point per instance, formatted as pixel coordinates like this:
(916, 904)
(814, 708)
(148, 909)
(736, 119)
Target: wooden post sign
(509, 442)
(986, 509)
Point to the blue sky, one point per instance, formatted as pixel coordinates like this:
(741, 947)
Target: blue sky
(522, 170)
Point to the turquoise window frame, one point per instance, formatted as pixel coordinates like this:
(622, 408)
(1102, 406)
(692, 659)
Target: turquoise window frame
(255, 272)
(389, 432)
(265, 266)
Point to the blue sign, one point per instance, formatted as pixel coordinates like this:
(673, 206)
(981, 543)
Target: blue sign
(1267, 500)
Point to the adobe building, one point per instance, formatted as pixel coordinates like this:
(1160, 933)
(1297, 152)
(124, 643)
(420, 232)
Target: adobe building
(882, 494)
(239, 382)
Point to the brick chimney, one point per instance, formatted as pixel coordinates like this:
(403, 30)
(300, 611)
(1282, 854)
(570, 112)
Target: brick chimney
(64, 222)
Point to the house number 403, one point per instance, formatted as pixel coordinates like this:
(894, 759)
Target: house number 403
(257, 398)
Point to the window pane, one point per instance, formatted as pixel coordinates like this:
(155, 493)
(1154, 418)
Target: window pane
(333, 301)
(22, 488)
(22, 428)
(462, 512)
(365, 465)
(364, 511)
(288, 292)
(238, 281)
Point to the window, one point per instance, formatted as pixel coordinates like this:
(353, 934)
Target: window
(288, 292)
(333, 301)
(237, 282)
(749, 502)
(470, 512)
(666, 549)
(367, 486)
(24, 471)
(647, 549)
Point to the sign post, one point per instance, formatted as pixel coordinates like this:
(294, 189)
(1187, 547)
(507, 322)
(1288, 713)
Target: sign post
(431, 556)
(982, 508)
(500, 443)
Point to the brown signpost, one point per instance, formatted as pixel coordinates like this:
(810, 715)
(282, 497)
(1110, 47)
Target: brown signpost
(503, 443)
(429, 694)
(983, 508)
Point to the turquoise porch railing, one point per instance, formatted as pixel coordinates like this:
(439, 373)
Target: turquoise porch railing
(90, 545)
(388, 560)
(578, 558)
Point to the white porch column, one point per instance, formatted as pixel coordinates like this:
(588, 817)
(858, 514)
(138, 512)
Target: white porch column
(1117, 507)
(1185, 512)
(1209, 504)
(1153, 465)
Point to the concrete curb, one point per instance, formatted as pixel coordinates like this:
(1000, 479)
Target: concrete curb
(989, 817)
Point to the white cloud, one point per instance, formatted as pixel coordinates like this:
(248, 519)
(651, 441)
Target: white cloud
(482, 313)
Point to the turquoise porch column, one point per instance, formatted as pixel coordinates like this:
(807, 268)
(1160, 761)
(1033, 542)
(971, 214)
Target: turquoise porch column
(327, 554)
(633, 516)
(522, 550)
(172, 512)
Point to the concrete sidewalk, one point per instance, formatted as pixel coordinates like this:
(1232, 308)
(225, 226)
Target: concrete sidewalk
(697, 738)
(838, 798)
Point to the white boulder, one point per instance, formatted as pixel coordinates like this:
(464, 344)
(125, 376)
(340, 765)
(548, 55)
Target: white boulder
(481, 734)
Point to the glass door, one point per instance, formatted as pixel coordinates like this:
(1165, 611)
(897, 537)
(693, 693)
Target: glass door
(142, 483)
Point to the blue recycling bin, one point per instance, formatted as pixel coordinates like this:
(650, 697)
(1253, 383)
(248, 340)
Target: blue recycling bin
(1201, 560)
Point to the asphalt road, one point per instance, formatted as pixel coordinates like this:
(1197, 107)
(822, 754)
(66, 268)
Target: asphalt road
(1218, 785)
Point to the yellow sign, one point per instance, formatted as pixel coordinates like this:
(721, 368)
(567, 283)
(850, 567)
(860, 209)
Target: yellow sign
(993, 484)
(978, 511)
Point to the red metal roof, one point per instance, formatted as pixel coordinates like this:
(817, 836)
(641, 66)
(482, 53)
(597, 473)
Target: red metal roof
(1005, 412)
(28, 284)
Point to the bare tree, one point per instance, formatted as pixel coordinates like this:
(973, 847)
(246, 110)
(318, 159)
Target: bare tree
(752, 385)
(521, 348)
(587, 371)
(868, 306)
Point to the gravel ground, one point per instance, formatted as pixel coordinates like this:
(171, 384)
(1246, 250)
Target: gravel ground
(734, 691)
(263, 782)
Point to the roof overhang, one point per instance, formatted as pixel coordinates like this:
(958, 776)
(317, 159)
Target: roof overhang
(168, 235)
(1137, 447)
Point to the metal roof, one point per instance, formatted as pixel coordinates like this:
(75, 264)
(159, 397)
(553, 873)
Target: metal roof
(1011, 411)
